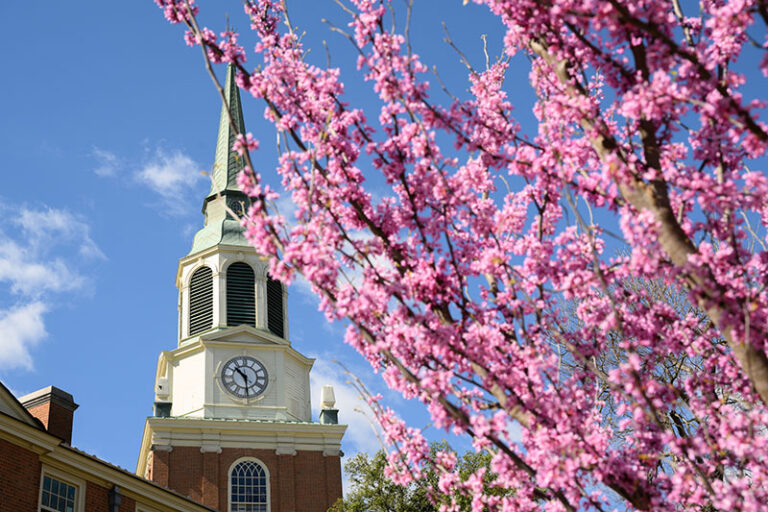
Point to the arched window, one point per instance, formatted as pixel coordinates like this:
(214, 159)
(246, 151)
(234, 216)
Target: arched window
(241, 300)
(248, 487)
(275, 306)
(200, 300)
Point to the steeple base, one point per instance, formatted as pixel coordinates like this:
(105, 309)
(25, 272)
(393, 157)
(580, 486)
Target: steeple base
(196, 458)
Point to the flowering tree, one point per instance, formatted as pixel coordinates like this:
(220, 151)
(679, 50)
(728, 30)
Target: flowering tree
(463, 266)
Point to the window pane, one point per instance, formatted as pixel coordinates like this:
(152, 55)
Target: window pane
(58, 496)
(249, 483)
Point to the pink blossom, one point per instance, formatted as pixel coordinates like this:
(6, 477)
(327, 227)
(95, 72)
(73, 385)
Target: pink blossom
(487, 279)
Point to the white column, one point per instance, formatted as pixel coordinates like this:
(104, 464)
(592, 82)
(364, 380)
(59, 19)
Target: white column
(285, 311)
(184, 312)
(219, 299)
(179, 311)
(260, 282)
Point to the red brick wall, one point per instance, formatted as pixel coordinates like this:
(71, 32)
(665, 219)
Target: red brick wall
(19, 478)
(305, 482)
(20, 484)
(284, 488)
(40, 412)
(158, 469)
(185, 471)
(97, 500)
(57, 419)
(210, 493)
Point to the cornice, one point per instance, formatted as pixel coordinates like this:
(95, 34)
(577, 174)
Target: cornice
(246, 426)
(259, 334)
(220, 248)
(17, 410)
(184, 350)
(244, 434)
(51, 394)
(141, 464)
(30, 437)
(213, 340)
(132, 486)
(210, 434)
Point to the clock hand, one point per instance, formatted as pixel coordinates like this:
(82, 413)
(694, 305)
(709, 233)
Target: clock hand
(243, 375)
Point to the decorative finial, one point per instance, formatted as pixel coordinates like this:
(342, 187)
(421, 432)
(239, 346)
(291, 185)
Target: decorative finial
(327, 398)
(329, 415)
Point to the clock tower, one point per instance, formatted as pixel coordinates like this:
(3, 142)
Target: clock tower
(232, 425)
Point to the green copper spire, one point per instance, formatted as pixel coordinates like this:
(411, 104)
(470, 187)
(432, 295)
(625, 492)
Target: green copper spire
(220, 227)
(227, 163)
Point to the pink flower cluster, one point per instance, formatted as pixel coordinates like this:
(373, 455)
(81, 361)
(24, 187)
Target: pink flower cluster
(485, 280)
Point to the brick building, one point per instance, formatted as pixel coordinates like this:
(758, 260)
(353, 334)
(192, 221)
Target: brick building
(232, 427)
(39, 470)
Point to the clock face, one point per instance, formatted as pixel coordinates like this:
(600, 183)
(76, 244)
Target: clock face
(238, 207)
(244, 377)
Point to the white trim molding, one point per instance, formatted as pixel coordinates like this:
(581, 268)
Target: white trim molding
(67, 478)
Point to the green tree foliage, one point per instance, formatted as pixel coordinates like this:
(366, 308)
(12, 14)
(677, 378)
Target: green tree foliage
(372, 491)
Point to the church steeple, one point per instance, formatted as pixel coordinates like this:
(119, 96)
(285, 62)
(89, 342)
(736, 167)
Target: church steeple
(233, 424)
(223, 282)
(227, 164)
(220, 227)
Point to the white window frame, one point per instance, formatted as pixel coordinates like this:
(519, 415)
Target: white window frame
(68, 479)
(229, 480)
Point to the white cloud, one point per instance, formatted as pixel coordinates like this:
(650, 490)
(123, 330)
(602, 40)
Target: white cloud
(107, 162)
(301, 285)
(515, 432)
(89, 249)
(22, 328)
(25, 261)
(39, 253)
(24, 264)
(353, 410)
(172, 176)
(48, 226)
(32, 278)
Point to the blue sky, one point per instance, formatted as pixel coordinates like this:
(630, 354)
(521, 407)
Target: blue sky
(107, 120)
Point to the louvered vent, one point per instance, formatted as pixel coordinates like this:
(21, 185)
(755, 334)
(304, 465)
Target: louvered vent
(241, 302)
(275, 306)
(200, 300)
